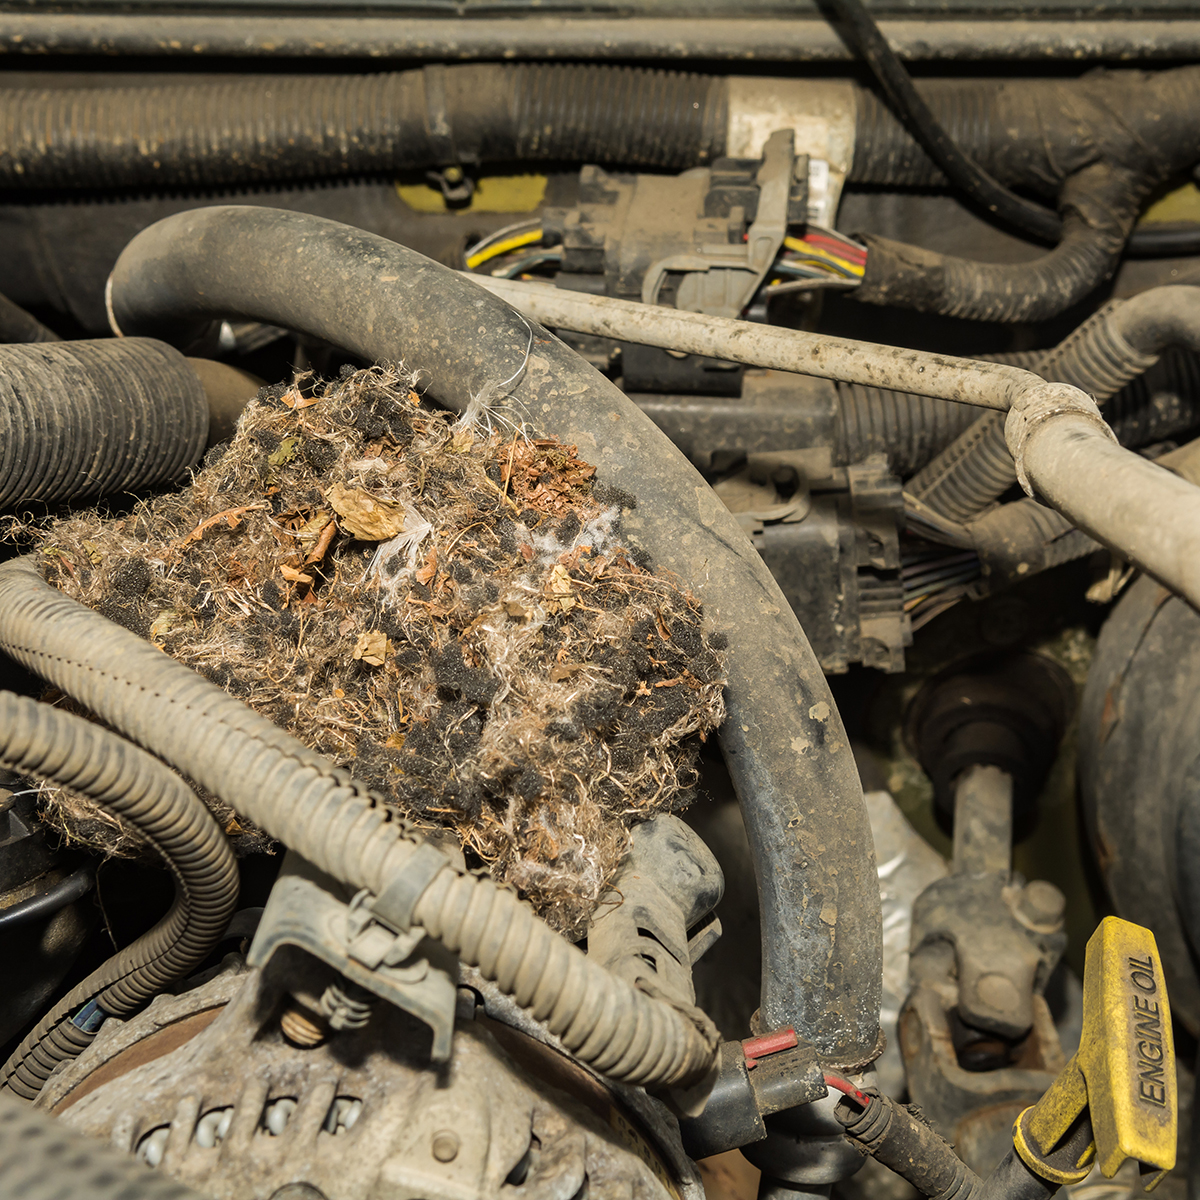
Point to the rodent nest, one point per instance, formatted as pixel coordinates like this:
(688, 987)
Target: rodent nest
(446, 611)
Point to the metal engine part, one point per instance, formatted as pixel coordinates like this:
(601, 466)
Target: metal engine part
(206, 1087)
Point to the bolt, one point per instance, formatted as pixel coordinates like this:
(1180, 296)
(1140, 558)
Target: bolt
(997, 991)
(1041, 903)
(453, 174)
(445, 1146)
(303, 1027)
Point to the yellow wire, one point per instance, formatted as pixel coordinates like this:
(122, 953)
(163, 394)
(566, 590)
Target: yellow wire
(821, 255)
(513, 243)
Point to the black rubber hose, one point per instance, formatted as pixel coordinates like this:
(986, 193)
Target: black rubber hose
(311, 127)
(80, 420)
(1108, 356)
(65, 891)
(16, 325)
(44, 742)
(910, 430)
(862, 35)
(783, 739)
(893, 1136)
(1100, 205)
(42, 1158)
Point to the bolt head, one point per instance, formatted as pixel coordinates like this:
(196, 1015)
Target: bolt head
(1041, 903)
(445, 1146)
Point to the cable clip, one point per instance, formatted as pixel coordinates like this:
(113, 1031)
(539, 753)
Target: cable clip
(1039, 404)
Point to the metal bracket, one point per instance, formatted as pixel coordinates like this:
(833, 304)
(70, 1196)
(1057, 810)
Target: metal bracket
(408, 969)
(737, 272)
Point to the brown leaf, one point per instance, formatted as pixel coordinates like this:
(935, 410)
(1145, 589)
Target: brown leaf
(372, 648)
(365, 516)
(515, 609)
(429, 570)
(294, 576)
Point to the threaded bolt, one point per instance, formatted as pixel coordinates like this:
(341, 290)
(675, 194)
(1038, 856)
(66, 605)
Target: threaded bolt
(303, 1027)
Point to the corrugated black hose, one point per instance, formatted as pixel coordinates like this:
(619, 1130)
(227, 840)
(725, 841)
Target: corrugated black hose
(89, 418)
(46, 743)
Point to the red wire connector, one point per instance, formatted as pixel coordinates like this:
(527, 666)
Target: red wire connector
(847, 1089)
(770, 1043)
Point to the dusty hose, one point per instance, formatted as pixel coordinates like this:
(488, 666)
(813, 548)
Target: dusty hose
(310, 127)
(384, 302)
(320, 812)
(46, 743)
(1112, 348)
(42, 1158)
(85, 419)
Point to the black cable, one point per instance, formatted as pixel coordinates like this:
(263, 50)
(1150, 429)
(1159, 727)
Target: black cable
(49, 902)
(865, 39)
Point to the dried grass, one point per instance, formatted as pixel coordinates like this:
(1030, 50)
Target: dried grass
(448, 611)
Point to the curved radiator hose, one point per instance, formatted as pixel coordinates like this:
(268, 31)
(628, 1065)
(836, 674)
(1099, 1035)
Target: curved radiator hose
(85, 419)
(319, 811)
(41, 741)
(783, 740)
(1111, 349)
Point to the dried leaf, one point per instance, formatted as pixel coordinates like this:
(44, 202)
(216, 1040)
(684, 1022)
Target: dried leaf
(426, 573)
(294, 576)
(166, 620)
(372, 648)
(560, 581)
(462, 440)
(284, 452)
(364, 516)
(515, 609)
(294, 400)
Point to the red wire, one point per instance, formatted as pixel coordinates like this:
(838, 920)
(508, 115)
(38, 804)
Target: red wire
(843, 249)
(846, 1088)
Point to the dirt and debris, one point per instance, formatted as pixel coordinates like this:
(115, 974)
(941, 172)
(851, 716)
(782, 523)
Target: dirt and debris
(448, 612)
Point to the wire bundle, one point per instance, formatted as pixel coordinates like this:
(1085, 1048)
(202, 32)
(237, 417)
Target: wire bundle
(934, 579)
(821, 258)
(524, 235)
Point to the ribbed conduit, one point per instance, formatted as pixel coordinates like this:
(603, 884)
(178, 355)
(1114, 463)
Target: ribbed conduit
(46, 743)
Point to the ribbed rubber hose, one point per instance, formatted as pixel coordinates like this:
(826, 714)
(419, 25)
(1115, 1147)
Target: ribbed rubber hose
(85, 419)
(46, 743)
(319, 811)
(42, 1158)
(1114, 347)
(311, 127)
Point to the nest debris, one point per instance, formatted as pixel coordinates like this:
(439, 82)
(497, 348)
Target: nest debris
(447, 611)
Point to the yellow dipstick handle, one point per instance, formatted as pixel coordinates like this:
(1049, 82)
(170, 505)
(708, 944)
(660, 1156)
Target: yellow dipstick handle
(1122, 1079)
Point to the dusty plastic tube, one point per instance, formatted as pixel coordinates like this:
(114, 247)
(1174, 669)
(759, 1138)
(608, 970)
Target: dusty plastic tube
(44, 742)
(1144, 513)
(318, 810)
(783, 740)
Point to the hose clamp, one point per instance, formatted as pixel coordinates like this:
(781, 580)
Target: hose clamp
(1039, 404)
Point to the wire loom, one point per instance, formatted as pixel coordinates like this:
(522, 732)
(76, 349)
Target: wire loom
(446, 609)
